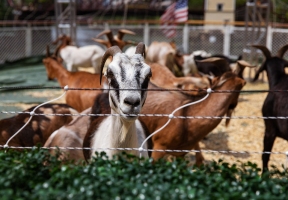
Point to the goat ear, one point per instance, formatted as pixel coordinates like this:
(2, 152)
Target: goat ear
(130, 42)
(212, 60)
(261, 69)
(104, 42)
(140, 49)
(173, 44)
(264, 50)
(218, 62)
(240, 66)
(122, 32)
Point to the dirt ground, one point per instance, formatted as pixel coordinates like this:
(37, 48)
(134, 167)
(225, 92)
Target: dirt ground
(245, 134)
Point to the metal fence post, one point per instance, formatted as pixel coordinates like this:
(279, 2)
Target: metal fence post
(146, 34)
(227, 39)
(28, 40)
(269, 38)
(185, 41)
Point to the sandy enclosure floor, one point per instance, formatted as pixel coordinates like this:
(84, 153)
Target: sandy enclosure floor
(245, 134)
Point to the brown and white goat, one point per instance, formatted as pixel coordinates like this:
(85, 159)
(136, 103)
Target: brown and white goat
(116, 40)
(74, 57)
(123, 130)
(185, 134)
(164, 54)
(78, 99)
(38, 129)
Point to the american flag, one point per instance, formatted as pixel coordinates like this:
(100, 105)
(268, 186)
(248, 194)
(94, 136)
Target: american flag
(176, 12)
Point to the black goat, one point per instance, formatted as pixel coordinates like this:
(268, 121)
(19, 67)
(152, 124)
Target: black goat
(275, 103)
(213, 66)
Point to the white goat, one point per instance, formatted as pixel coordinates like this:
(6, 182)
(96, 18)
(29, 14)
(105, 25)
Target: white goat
(124, 130)
(74, 57)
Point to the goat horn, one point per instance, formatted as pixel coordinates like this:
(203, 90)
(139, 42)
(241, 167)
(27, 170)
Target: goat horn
(109, 35)
(47, 51)
(282, 51)
(264, 50)
(105, 32)
(110, 52)
(140, 49)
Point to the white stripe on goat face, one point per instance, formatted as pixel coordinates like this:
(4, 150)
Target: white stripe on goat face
(125, 73)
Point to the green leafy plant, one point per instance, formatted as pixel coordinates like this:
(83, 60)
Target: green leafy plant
(34, 174)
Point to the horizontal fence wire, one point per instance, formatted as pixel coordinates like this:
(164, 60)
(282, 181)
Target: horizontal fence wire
(149, 115)
(150, 150)
(157, 89)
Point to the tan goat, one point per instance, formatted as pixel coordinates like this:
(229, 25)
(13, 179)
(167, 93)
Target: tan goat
(78, 99)
(164, 54)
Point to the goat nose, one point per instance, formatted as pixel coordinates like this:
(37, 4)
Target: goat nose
(132, 101)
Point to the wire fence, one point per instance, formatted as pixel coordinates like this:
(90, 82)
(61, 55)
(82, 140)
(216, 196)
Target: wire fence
(168, 116)
(30, 40)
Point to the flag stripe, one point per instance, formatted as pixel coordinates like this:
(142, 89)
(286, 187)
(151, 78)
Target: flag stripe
(176, 12)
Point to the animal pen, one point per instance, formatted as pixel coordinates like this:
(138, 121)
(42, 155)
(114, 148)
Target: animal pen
(23, 77)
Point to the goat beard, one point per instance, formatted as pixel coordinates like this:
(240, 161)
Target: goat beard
(124, 131)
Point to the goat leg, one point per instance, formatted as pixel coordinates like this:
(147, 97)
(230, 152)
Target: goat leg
(199, 157)
(268, 144)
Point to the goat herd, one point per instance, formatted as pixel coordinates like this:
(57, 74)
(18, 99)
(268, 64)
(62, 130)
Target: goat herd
(131, 86)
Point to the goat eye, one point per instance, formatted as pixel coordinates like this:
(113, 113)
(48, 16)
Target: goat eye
(148, 76)
(109, 74)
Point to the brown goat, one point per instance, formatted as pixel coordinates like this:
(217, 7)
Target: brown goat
(38, 129)
(185, 134)
(78, 99)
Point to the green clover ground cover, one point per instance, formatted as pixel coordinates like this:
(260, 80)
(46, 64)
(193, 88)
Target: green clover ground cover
(24, 176)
